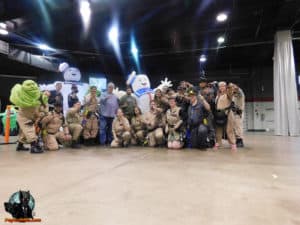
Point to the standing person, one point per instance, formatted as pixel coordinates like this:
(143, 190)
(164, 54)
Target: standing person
(74, 121)
(174, 125)
(56, 96)
(182, 100)
(155, 123)
(91, 109)
(238, 98)
(209, 94)
(196, 117)
(128, 103)
(120, 130)
(108, 108)
(72, 97)
(28, 98)
(51, 125)
(224, 118)
(138, 127)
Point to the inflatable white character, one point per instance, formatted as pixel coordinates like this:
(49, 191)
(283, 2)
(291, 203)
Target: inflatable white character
(164, 85)
(119, 93)
(142, 89)
(71, 75)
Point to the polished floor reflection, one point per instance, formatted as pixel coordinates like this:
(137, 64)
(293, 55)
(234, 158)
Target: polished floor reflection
(258, 185)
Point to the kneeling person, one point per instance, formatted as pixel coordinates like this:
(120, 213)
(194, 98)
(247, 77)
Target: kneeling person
(51, 124)
(174, 123)
(74, 121)
(155, 122)
(138, 127)
(120, 130)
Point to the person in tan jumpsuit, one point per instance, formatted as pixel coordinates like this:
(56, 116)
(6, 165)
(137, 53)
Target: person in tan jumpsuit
(51, 125)
(223, 105)
(74, 121)
(238, 98)
(155, 122)
(174, 122)
(120, 130)
(34, 114)
(138, 127)
(91, 124)
(27, 118)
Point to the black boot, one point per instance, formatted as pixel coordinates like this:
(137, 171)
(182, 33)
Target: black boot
(35, 148)
(203, 148)
(86, 142)
(21, 147)
(75, 145)
(211, 144)
(93, 141)
(125, 145)
(239, 143)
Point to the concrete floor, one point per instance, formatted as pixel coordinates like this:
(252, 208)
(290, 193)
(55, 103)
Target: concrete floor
(258, 185)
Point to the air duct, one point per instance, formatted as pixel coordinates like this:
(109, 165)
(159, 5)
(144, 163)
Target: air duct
(42, 62)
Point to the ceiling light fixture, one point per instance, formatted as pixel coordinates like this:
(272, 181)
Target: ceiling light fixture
(134, 50)
(85, 11)
(3, 32)
(3, 25)
(44, 47)
(202, 58)
(221, 40)
(221, 17)
(113, 34)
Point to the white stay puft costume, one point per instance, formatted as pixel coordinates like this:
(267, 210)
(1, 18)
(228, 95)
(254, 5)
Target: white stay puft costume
(142, 89)
(71, 76)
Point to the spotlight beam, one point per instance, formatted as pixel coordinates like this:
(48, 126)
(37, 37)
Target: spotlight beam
(113, 37)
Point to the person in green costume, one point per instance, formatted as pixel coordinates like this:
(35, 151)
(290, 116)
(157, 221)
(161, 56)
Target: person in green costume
(28, 97)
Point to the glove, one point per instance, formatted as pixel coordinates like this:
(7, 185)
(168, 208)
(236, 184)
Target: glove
(67, 137)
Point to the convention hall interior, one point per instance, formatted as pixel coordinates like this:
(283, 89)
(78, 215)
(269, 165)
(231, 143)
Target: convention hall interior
(150, 112)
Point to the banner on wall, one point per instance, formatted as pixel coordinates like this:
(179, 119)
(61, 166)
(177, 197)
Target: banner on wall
(100, 83)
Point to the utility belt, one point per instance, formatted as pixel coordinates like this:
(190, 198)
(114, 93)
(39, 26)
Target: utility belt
(153, 129)
(52, 133)
(90, 114)
(237, 111)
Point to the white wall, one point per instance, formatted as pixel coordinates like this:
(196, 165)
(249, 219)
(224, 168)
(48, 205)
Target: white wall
(260, 116)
